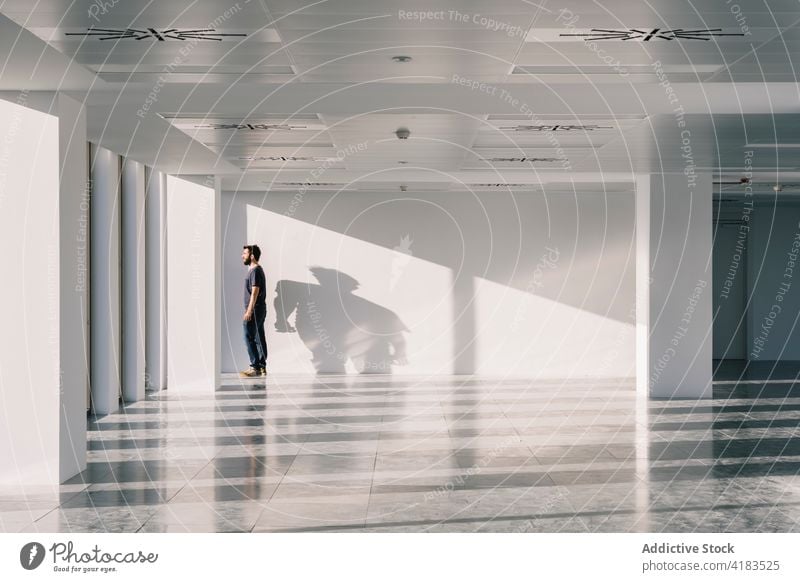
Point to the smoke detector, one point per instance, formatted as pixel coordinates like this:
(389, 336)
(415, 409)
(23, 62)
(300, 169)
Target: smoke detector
(402, 133)
(777, 188)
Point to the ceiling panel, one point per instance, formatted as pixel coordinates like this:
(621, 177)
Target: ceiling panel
(437, 141)
(110, 37)
(575, 54)
(277, 141)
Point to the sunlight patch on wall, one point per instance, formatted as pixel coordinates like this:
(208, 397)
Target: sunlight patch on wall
(522, 334)
(367, 309)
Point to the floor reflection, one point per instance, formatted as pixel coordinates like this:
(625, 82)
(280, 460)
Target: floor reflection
(383, 453)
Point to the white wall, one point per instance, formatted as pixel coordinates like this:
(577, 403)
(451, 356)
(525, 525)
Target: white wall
(773, 273)
(29, 297)
(490, 283)
(752, 263)
(191, 333)
(730, 289)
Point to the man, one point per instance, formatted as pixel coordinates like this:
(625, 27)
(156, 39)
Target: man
(255, 312)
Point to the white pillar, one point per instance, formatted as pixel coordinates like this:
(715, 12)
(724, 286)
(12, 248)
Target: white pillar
(73, 328)
(133, 281)
(29, 297)
(192, 293)
(156, 281)
(105, 286)
(643, 284)
(673, 285)
(218, 239)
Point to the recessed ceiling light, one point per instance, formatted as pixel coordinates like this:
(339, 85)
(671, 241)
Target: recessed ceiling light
(553, 127)
(202, 70)
(251, 126)
(738, 182)
(288, 158)
(560, 118)
(401, 59)
(523, 159)
(402, 162)
(302, 184)
(269, 117)
(649, 34)
(503, 185)
(159, 34)
(609, 70)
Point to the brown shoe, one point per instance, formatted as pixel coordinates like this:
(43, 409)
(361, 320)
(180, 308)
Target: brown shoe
(250, 373)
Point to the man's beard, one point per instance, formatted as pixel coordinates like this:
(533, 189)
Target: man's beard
(247, 261)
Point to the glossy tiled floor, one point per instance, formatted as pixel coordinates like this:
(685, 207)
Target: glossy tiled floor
(388, 454)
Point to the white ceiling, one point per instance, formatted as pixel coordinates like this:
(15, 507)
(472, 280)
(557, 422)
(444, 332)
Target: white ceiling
(270, 92)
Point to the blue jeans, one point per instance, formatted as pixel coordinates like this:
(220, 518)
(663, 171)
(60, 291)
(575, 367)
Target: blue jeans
(254, 338)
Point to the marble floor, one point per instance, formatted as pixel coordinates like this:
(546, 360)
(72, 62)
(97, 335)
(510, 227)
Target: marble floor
(446, 454)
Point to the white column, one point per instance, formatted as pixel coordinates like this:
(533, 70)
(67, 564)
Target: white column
(192, 293)
(673, 285)
(29, 297)
(156, 281)
(73, 328)
(642, 443)
(105, 286)
(133, 255)
(43, 352)
(217, 217)
(643, 284)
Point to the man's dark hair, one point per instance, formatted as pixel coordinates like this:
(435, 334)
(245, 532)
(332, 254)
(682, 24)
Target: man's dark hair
(254, 250)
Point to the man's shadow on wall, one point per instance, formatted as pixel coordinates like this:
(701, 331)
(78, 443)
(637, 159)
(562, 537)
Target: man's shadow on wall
(337, 326)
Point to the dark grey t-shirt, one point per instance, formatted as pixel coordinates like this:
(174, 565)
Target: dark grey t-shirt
(255, 278)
